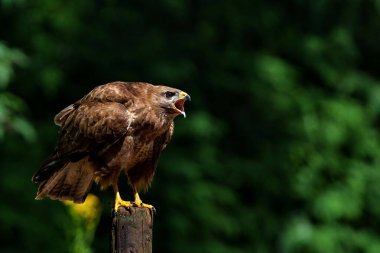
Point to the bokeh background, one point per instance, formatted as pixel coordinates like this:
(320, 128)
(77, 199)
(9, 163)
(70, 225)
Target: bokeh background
(280, 151)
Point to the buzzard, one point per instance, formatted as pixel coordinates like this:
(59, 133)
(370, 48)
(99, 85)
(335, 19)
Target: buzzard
(116, 126)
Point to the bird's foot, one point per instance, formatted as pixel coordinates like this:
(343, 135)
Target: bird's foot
(120, 202)
(139, 203)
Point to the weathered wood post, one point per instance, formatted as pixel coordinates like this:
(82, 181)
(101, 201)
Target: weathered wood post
(132, 230)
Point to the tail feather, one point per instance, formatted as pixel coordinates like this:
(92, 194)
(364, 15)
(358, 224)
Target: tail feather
(54, 163)
(72, 182)
(48, 168)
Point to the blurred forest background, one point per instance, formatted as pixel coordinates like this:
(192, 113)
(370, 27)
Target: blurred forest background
(280, 151)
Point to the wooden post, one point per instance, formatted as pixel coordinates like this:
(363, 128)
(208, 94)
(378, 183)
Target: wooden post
(132, 230)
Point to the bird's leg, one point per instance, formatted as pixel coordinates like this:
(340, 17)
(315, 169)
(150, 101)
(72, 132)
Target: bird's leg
(138, 201)
(118, 201)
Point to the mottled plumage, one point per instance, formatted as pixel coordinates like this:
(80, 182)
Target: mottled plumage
(117, 126)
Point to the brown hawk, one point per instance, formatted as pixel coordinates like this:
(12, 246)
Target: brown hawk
(116, 126)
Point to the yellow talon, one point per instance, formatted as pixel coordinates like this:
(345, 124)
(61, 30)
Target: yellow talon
(138, 202)
(119, 202)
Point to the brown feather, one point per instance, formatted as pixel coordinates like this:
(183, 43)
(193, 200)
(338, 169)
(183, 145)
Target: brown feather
(72, 182)
(116, 126)
(61, 117)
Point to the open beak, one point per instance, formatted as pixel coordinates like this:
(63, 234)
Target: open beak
(180, 103)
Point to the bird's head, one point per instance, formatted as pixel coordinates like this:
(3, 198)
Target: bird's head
(172, 100)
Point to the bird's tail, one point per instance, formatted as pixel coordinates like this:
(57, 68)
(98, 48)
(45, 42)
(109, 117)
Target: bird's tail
(65, 180)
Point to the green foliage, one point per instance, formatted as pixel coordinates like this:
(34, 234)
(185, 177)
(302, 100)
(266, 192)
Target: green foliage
(280, 149)
(11, 106)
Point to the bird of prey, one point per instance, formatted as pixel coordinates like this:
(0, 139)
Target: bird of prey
(118, 126)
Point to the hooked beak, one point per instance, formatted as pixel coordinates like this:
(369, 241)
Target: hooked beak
(180, 102)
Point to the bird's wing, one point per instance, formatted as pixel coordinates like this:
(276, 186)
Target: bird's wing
(92, 124)
(102, 116)
(68, 173)
(117, 92)
(89, 127)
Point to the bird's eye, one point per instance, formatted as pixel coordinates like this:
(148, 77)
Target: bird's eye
(169, 94)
